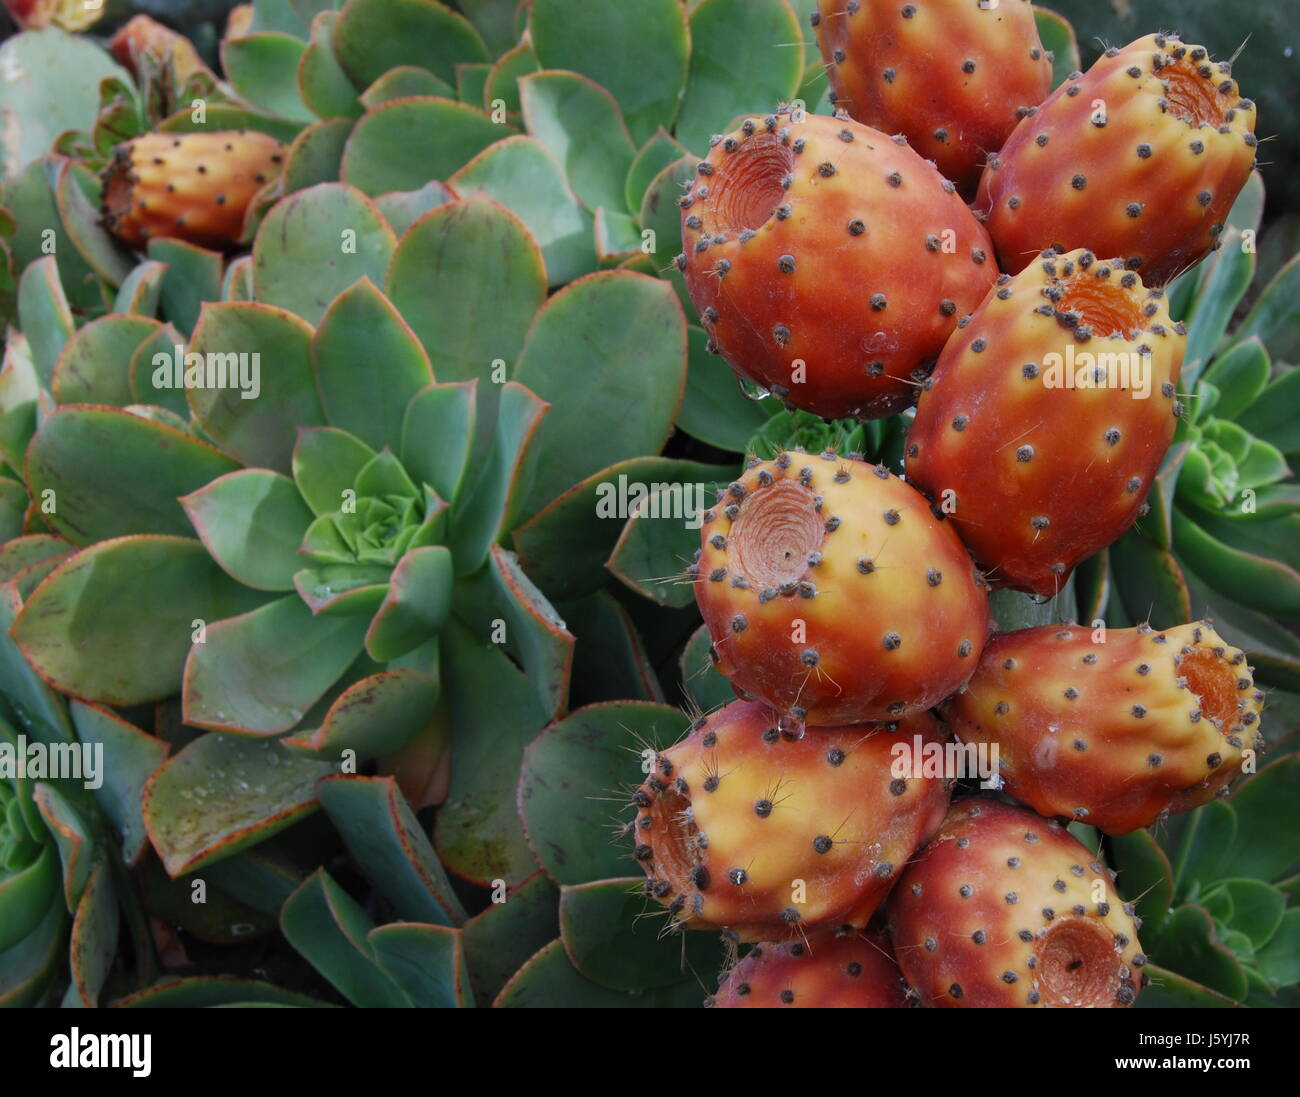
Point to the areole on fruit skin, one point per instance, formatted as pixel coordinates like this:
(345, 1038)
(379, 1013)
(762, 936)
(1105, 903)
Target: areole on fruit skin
(1119, 734)
(834, 595)
(1037, 474)
(829, 262)
(954, 78)
(1142, 157)
(742, 827)
(1006, 909)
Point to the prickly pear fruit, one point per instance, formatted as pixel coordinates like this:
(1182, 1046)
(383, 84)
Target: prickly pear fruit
(1141, 157)
(833, 595)
(954, 78)
(1118, 734)
(142, 36)
(740, 826)
(829, 262)
(1004, 908)
(1047, 416)
(191, 186)
(831, 971)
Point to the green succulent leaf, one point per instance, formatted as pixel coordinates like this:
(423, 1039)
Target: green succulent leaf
(312, 159)
(630, 331)
(263, 69)
(404, 82)
(520, 174)
(1273, 318)
(93, 945)
(44, 314)
(1170, 989)
(495, 712)
(27, 968)
(610, 941)
(1203, 854)
(715, 409)
(193, 276)
(322, 84)
(495, 21)
(657, 153)
(73, 836)
(384, 837)
(706, 686)
(1257, 909)
(427, 962)
(376, 716)
(362, 326)
(135, 756)
(1239, 375)
(28, 195)
(499, 939)
(746, 57)
(437, 433)
(202, 991)
(1188, 945)
(332, 231)
(1224, 283)
(569, 783)
(416, 606)
(113, 624)
(502, 87)
(1149, 581)
(403, 208)
(144, 374)
(660, 212)
(257, 431)
(141, 290)
(252, 521)
(374, 36)
(1270, 417)
(609, 658)
(1279, 960)
(76, 195)
(1272, 649)
(259, 673)
(224, 793)
(330, 929)
(326, 463)
(1255, 581)
(403, 144)
(578, 122)
(480, 263)
(471, 81)
(1058, 37)
(638, 52)
(1266, 842)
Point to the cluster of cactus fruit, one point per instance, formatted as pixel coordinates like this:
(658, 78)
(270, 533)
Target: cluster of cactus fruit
(303, 527)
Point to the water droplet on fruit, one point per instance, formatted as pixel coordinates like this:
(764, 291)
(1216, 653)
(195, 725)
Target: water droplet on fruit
(751, 390)
(792, 727)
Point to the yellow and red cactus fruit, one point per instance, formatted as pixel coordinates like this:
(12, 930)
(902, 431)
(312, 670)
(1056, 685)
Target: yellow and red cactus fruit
(1118, 734)
(831, 971)
(142, 36)
(953, 76)
(1141, 157)
(834, 595)
(743, 827)
(1006, 909)
(1047, 416)
(189, 186)
(829, 262)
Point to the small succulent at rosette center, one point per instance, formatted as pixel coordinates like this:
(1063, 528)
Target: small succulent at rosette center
(142, 36)
(743, 827)
(1118, 734)
(1047, 417)
(828, 261)
(832, 594)
(1006, 909)
(831, 971)
(1142, 157)
(191, 186)
(954, 79)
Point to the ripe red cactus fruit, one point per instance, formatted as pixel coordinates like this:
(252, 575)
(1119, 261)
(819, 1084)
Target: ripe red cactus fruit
(829, 262)
(832, 971)
(834, 595)
(1006, 909)
(1142, 156)
(190, 186)
(742, 827)
(1047, 416)
(954, 78)
(1118, 734)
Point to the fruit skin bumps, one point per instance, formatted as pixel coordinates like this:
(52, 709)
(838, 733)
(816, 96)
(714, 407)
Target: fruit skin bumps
(740, 826)
(829, 262)
(833, 594)
(1047, 416)
(1006, 909)
(1117, 734)
(1140, 157)
(951, 76)
(831, 971)
(189, 186)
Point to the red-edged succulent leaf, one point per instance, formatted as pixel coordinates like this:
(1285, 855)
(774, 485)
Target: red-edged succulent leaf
(223, 793)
